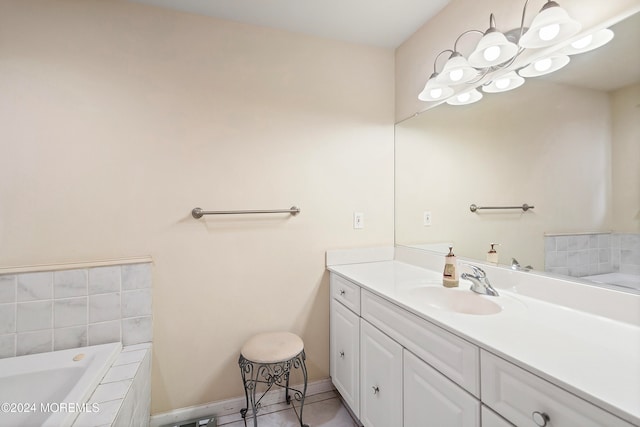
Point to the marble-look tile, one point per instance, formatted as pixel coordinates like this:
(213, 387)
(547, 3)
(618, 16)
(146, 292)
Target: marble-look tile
(119, 373)
(7, 318)
(604, 241)
(35, 286)
(103, 280)
(104, 332)
(324, 413)
(70, 283)
(549, 243)
(104, 307)
(111, 391)
(7, 345)
(555, 260)
(33, 316)
(136, 347)
(593, 241)
(34, 342)
(136, 303)
(136, 276)
(69, 312)
(130, 357)
(73, 337)
(562, 243)
(7, 288)
(104, 416)
(604, 255)
(136, 330)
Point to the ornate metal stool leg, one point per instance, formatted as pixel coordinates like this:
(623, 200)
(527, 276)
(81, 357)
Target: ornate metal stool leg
(299, 363)
(247, 370)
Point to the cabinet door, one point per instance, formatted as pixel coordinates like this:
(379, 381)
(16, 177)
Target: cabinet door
(491, 419)
(527, 400)
(345, 354)
(431, 399)
(380, 378)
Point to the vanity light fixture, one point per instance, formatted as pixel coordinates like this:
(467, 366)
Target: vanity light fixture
(506, 82)
(544, 66)
(464, 98)
(493, 48)
(552, 25)
(496, 52)
(434, 90)
(589, 42)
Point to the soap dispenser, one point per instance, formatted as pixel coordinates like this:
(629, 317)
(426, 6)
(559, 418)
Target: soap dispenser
(492, 255)
(450, 274)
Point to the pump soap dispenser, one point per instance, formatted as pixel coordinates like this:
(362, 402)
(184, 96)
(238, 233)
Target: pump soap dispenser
(450, 274)
(492, 255)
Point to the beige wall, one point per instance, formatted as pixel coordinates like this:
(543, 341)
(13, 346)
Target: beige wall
(116, 119)
(544, 144)
(414, 58)
(626, 159)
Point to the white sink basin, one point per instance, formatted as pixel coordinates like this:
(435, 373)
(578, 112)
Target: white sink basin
(455, 300)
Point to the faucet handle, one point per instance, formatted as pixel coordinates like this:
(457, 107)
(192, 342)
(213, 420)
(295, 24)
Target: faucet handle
(479, 273)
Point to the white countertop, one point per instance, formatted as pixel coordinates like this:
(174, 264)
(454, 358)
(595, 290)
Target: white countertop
(592, 356)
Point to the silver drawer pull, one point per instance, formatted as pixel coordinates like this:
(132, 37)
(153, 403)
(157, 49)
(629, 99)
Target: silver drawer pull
(342, 354)
(376, 390)
(540, 418)
(342, 292)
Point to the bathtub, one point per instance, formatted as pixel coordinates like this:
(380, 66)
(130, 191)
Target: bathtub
(616, 280)
(52, 389)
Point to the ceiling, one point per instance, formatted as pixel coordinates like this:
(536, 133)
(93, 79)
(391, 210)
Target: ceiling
(382, 23)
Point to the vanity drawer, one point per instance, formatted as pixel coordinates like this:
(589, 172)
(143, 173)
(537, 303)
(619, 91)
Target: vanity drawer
(451, 355)
(519, 396)
(348, 293)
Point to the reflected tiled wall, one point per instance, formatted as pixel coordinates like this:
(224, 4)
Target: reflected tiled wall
(589, 254)
(55, 310)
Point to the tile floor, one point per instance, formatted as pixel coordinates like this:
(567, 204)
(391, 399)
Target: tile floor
(320, 410)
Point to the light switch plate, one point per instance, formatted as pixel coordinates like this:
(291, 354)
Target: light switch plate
(358, 220)
(427, 218)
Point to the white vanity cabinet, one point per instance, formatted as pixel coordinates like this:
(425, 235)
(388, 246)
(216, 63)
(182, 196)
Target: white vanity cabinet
(431, 399)
(394, 368)
(375, 368)
(527, 400)
(345, 342)
(380, 378)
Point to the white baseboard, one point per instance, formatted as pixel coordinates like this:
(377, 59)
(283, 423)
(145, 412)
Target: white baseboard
(230, 406)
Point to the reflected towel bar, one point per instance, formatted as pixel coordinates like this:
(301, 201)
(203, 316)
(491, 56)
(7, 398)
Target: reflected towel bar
(525, 207)
(198, 212)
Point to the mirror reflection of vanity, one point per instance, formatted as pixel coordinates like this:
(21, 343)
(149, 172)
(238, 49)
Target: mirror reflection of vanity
(567, 143)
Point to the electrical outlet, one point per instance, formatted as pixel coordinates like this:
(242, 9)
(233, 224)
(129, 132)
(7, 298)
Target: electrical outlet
(358, 220)
(427, 218)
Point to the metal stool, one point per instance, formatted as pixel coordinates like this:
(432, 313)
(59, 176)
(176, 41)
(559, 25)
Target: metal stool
(268, 359)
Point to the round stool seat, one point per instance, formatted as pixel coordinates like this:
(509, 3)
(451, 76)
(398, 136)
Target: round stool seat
(272, 347)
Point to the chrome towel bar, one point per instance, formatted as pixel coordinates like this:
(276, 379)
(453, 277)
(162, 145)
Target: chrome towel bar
(525, 207)
(198, 212)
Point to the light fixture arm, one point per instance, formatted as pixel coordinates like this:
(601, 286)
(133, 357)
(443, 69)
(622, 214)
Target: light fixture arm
(435, 62)
(455, 45)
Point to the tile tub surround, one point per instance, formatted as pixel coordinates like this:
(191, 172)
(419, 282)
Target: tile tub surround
(54, 310)
(124, 394)
(588, 254)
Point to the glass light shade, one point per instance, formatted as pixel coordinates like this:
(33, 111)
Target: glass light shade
(589, 42)
(509, 81)
(464, 98)
(552, 25)
(434, 91)
(456, 71)
(544, 66)
(492, 49)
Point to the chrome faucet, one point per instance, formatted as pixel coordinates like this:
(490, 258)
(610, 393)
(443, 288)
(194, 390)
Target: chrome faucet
(479, 281)
(515, 265)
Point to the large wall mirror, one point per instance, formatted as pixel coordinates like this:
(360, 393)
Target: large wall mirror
(567, 143)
